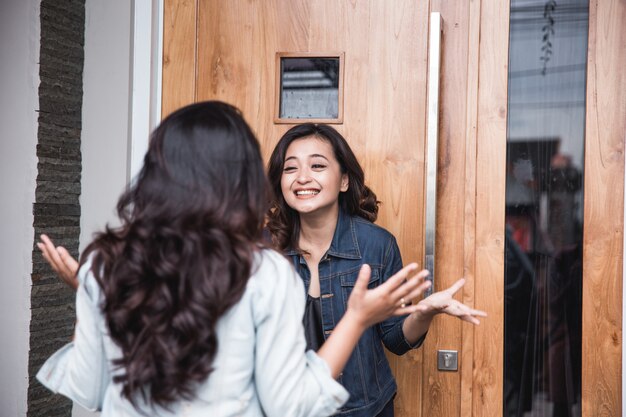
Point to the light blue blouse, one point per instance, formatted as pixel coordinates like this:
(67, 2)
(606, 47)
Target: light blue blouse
(261, 367)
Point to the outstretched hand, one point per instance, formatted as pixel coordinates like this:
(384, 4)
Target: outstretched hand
(60, 260)
(367, 307)
(392, 298)
(444, 302)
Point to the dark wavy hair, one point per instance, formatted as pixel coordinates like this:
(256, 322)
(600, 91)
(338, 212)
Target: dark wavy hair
(359, 200)
(190, 226)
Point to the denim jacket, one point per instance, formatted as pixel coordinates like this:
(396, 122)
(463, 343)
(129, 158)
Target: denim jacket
(367, 375)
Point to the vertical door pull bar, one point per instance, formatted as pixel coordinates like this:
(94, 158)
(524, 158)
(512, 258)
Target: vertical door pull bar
(432, 139)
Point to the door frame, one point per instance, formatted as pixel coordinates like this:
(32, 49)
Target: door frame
(603, 241)
(147, 58)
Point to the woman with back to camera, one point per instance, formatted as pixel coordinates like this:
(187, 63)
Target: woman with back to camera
(183, 311)
(322, 218)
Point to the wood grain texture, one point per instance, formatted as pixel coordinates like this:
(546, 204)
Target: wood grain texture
(441, 395)
(384, 99)
(603, 210)
(490, 204)
(237, 46)
(179, 54)
(467, 349)
(389, 118)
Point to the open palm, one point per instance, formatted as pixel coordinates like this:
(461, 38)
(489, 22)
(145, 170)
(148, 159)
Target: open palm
(444, 302)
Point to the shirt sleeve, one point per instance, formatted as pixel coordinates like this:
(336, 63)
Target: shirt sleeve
(290, 381)
(79, 370)
(391, 329)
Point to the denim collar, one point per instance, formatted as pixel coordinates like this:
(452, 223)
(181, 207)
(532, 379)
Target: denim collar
(345, 244)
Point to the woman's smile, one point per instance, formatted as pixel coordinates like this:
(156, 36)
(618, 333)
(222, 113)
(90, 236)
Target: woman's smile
(311, 178)
(306, 193)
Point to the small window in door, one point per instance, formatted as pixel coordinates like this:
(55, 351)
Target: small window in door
(310, 87)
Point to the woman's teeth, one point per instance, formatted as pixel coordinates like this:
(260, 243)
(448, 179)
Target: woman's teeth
(307, 192)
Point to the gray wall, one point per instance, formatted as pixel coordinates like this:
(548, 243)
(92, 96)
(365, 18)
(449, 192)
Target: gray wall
(19, 80)
(106, 103)
(106, 111)
(105, 127)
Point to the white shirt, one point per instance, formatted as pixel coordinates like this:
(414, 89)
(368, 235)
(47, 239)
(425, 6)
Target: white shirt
(261, 367)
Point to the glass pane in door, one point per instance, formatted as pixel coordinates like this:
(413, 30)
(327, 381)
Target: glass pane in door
(544, 207)
(309, 88)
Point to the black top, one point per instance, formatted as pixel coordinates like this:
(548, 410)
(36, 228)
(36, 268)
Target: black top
(313, 323)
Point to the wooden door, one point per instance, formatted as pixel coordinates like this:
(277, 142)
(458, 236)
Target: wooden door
(384, 98)
(226, 50)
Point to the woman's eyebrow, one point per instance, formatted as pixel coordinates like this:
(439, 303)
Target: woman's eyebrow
(317, 155)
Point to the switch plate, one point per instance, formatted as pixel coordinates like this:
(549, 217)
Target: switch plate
(447, 360)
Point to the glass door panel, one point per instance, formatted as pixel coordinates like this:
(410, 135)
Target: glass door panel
(544, 207)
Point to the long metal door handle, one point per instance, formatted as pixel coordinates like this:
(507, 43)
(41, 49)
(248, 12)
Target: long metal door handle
(432, 139)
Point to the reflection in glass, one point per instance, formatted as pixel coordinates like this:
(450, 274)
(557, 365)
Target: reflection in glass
(544, 208)
(309, 88)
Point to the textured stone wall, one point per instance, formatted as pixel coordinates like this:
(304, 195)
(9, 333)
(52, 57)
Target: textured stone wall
(57, 208)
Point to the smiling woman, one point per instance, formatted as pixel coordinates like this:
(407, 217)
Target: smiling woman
(312, 178)
(322, 218)
(357, 199)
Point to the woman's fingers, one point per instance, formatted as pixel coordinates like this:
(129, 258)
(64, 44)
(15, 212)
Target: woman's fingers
(469, 318)
(472, 316)
(417, 291)
(404, 286)
(404, 291)
(404, 305)
(363, 279)
(479, 313)
(399, 278)
(395, 295)
(464, 312)
(69, 263)
(63, 264)
(454, 288)
(70, 267)
(444, 302)
(405, 311)
(50, 253)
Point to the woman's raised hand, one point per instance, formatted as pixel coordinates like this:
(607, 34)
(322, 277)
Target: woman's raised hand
(443, 302)
(392, 298)
(60, 260)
